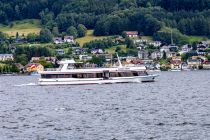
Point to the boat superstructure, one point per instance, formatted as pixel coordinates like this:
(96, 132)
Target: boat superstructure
(73, 73)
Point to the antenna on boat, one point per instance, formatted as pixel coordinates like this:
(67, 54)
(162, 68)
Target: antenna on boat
(119, 61)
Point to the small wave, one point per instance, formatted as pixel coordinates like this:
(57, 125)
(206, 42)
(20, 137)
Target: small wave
(62, 108)
(29, 84)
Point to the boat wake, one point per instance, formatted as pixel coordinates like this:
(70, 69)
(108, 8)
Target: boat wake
(29, 84)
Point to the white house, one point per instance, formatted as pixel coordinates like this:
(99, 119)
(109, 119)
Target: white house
(170, 54)
(5, 57)
(97, 51)
(156, 55)
(164, 49)
(84, 57)
(57, 40)
(69, 39)
(185, 49)
(137, 41)
(132, 33)
(155, 43)
(143, 54)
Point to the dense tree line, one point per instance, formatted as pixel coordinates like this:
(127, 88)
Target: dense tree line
(24, 54)
(108, 17)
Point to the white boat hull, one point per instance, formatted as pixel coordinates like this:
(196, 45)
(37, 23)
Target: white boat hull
(77, 81)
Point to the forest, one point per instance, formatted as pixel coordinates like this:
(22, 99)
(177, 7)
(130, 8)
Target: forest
(112, 17)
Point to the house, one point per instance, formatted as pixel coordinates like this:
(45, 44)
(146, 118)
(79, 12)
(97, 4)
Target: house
(164, 49)
(155, 43)
(186, 48)
(78, 51)
(6, 57)
(173, 47)
(147, 61)
(203, 43)
(156, 55)
(132, 33)
(48, 59)
(129, 59)
(60, 52)
(31, 67)
(143, 54)
(107, 56)
(57, 40)
(97, 51)
(194, 63)
(176, 63)
(171, 54)
(135, 62)
(137, 41)
(201, 47)
(84, 57)
(141, 47)
(69, 39)
(201, 52)
(168, 52)
(206, 65)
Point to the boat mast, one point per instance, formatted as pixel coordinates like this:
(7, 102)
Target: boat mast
(119, 61)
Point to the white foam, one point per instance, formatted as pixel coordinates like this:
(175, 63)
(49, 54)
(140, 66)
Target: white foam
(29, 84)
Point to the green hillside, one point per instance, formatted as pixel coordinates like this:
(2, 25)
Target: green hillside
(23, 27)
(89, 37)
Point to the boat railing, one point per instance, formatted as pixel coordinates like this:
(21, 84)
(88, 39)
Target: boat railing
(52, 69)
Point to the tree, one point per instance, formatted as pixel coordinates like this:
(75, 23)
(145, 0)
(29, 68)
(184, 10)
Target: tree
(82, 30)
(164, 55)
(129, 42)
(72, 31)
(55, 31)
(22, 59)
(45, 36)
(17, 36)
(32, 37)
(3, 36)
(98, 60)
(46, 64)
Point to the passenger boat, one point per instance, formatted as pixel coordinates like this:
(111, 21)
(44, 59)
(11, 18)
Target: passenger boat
(71, 73)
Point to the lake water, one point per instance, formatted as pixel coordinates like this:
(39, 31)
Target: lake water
(176, 106)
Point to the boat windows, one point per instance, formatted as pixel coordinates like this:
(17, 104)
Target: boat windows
(142, 73)
(105, 75)
(135, 73)
(79, 75)
(114, 74)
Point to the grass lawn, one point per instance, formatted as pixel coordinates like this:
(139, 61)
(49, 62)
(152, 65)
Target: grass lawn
(197, 38)
(89, 37)
(34, 44)
(149, 38)
(112, 49)
(22, 27)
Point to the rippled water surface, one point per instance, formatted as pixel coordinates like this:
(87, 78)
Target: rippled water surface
(177, 106)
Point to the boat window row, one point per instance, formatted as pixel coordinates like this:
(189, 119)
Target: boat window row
(95, 75)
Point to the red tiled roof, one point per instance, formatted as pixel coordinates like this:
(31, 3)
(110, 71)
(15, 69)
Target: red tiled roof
(131, 32)
(176, 62)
